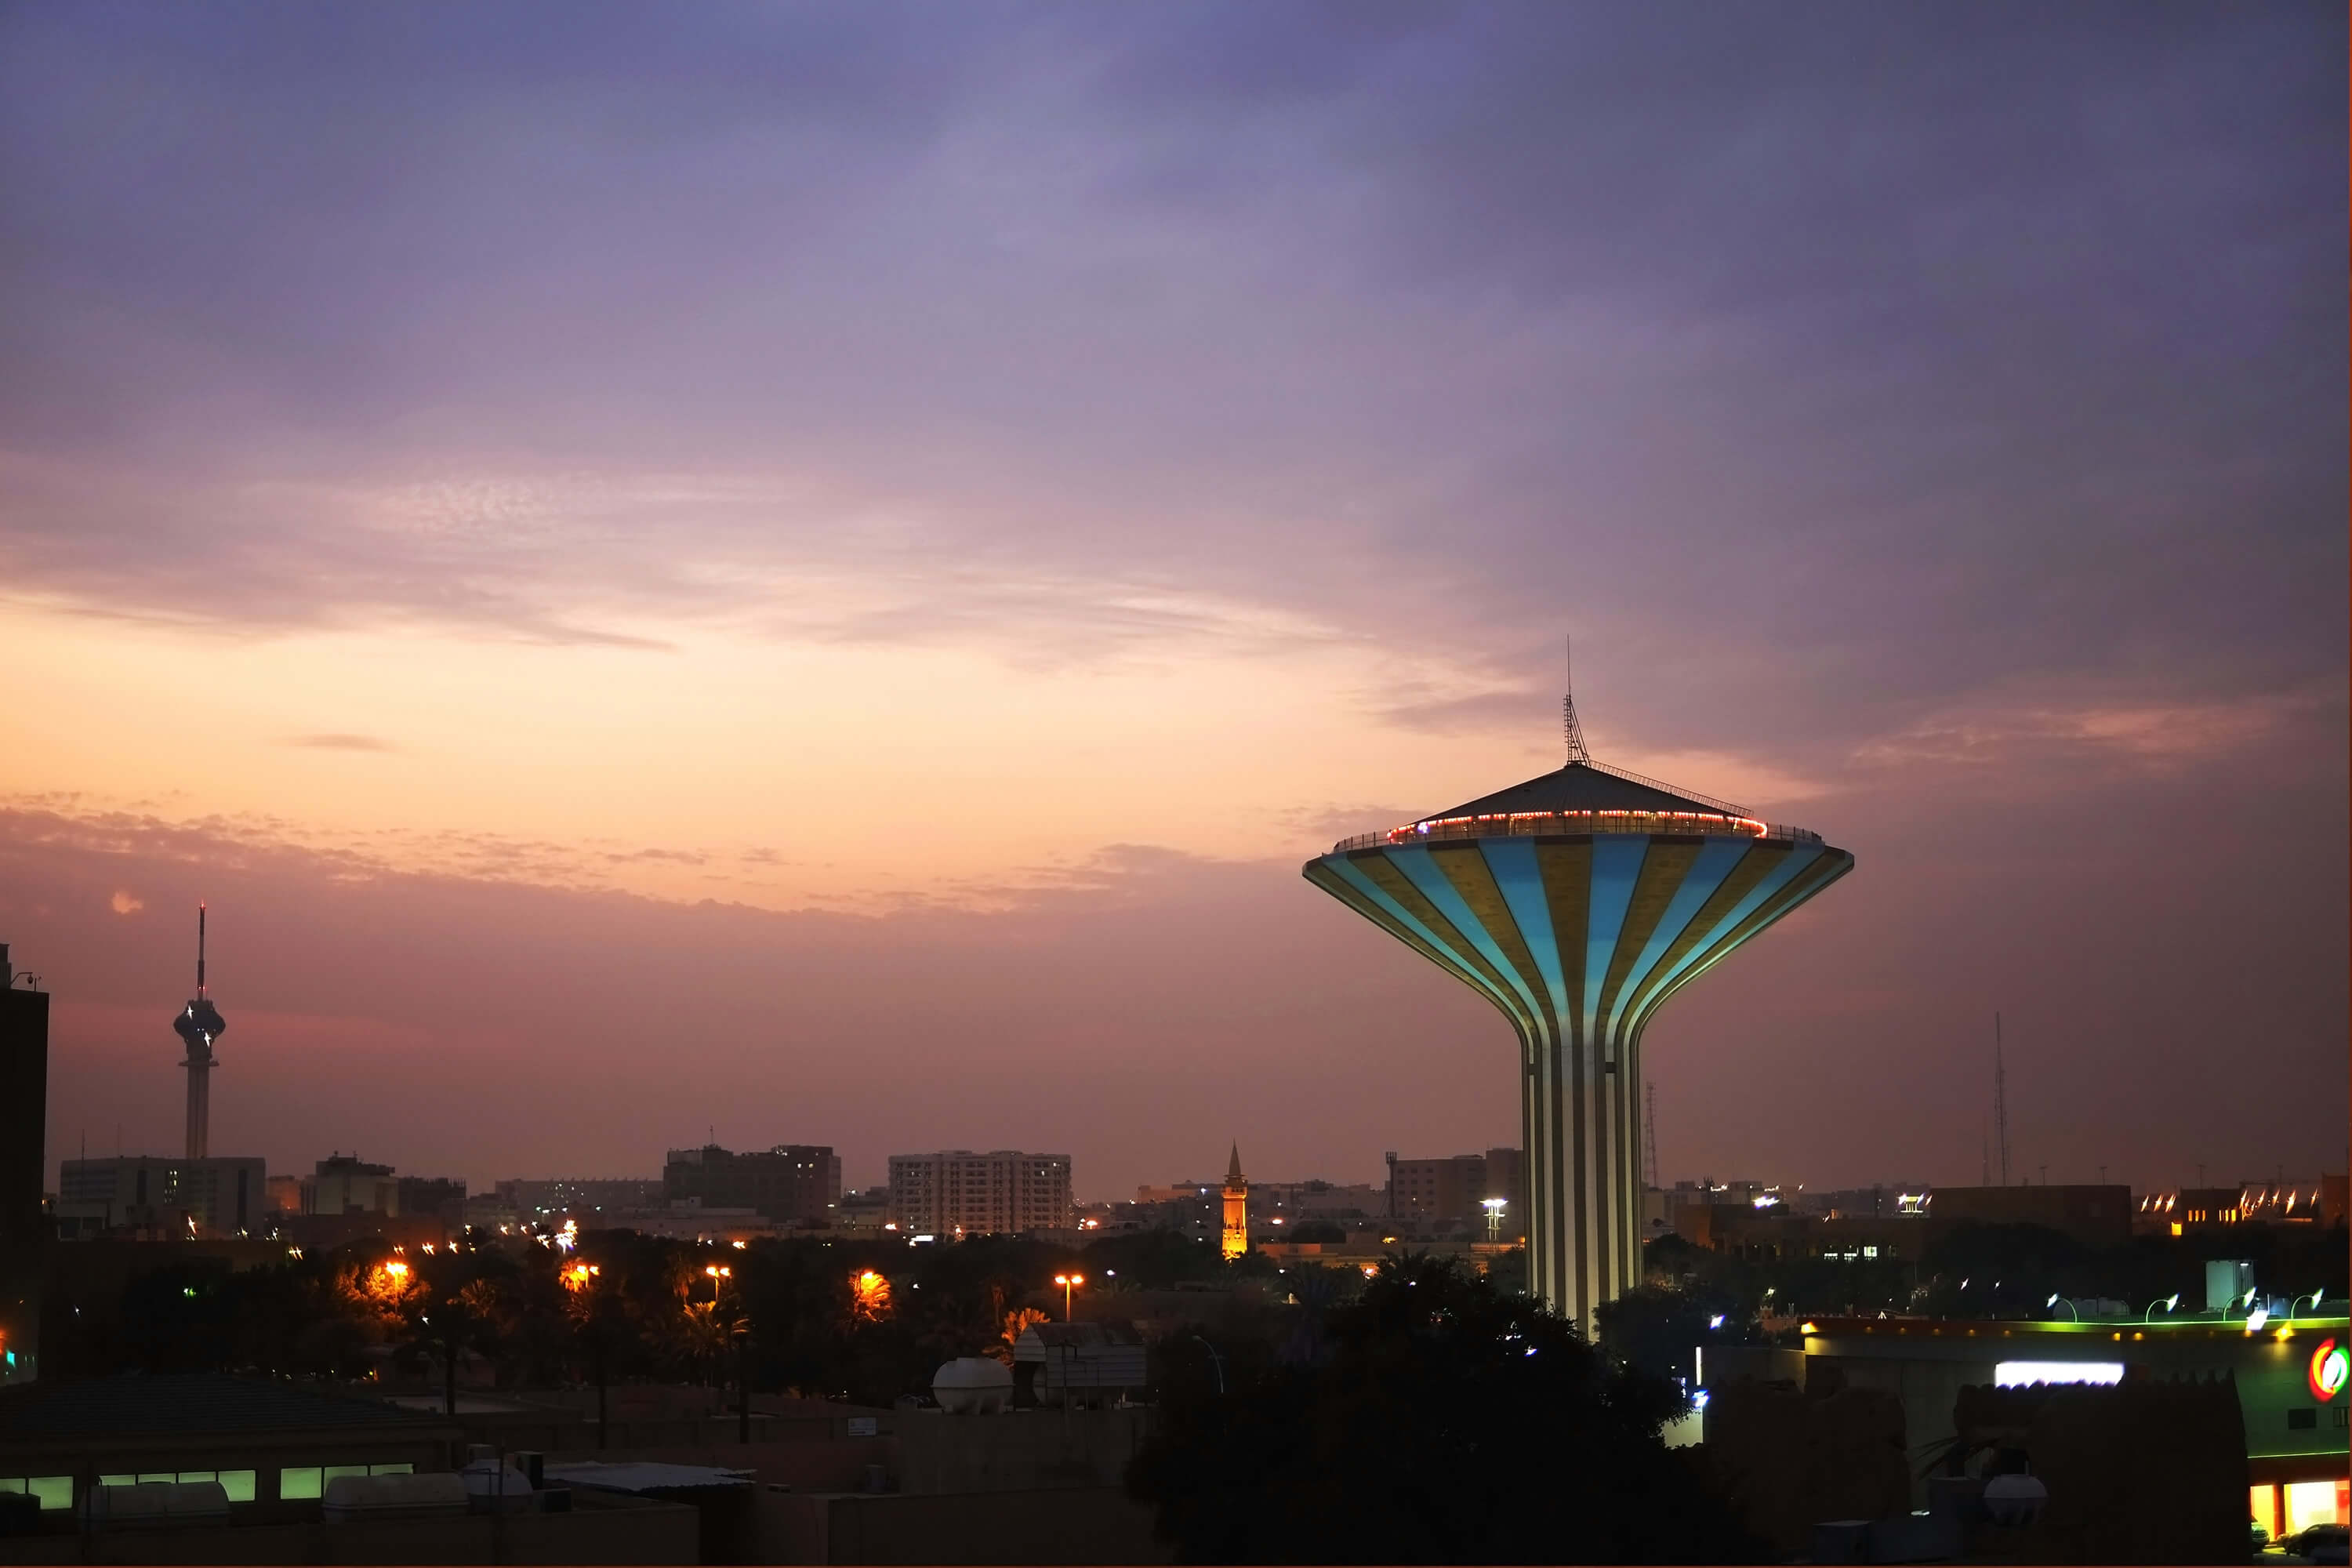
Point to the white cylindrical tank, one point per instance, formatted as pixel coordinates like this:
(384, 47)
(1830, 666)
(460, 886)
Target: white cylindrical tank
(973, 1385)
(351, 1497)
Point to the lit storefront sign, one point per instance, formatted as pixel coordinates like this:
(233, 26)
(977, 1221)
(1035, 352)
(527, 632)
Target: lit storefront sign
(2020, 1374)
(2327, 1371)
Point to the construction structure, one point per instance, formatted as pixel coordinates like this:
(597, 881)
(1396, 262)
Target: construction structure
(1577, 903)
(199, 1026)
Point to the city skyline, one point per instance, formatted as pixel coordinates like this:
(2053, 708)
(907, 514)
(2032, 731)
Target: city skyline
(784, 578)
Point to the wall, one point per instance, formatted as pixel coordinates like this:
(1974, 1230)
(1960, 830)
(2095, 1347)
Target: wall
(1095, 1524)
(624, 1530)
(1018, 1451)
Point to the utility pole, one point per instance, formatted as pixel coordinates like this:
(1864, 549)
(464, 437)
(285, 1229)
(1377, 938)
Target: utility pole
(1650, 1135)
(1999, 1100)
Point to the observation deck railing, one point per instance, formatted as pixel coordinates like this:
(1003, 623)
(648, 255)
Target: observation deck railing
(1518, 824)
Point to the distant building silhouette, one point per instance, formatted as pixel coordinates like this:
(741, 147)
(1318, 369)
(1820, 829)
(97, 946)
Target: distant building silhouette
(789, 1184)
(24, 1118)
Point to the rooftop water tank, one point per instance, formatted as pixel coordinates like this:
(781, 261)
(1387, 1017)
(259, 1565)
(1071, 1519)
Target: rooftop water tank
(973, 1385)
(355, 1498)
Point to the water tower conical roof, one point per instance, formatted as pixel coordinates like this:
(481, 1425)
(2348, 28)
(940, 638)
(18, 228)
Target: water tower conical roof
(1582, 787)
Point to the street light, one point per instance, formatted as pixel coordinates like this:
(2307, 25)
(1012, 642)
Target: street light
(2313, 1299)
(2055, 1299)
(2168, 1304)
(1068, 1282)
(1494, 1207)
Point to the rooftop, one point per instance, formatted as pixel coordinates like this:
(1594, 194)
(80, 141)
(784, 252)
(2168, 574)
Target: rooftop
(1583, 797)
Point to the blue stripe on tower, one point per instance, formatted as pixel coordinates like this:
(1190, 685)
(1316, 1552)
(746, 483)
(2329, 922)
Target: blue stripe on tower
(1715, 862)
(1512, 863)
(1448, 938)
(1434, 886)
(1616, 865)
(1767, 888)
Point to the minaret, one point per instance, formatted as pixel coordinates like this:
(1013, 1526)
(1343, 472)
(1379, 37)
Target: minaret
(199, 1026)
(1236, 1207)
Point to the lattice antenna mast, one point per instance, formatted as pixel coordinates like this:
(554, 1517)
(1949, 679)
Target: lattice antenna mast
(1570, 730)
(1650, 1134)
(2000, 1101)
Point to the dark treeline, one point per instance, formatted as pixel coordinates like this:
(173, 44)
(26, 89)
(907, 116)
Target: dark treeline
(862, 1321)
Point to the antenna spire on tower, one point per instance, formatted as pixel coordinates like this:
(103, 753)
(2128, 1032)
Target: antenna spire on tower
(200, 949)
(1570, 730)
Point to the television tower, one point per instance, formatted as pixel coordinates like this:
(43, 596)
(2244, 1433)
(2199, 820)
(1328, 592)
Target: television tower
(199, 1026)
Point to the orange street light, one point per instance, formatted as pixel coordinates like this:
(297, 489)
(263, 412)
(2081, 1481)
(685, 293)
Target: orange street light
(1068, 1282)
(397, 1269)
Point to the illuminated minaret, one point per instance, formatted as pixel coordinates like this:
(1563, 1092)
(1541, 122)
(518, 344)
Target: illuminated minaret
(1236, 1206)
(199, 1026)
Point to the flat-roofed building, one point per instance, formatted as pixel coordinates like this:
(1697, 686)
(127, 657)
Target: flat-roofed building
(222, 1195)
(789, 1184)
(957, 1190)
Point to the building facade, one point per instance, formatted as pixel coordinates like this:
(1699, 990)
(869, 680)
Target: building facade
(1454, 1190)
(957, 1190)
(1577, 903)
(2097, 1216)
(221, 1197)
(791, 1183)
(346, 1184)
(588, 1199)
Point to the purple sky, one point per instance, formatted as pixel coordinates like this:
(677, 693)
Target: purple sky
(816, 572)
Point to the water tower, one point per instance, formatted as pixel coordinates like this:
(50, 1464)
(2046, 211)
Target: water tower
(1577, 902)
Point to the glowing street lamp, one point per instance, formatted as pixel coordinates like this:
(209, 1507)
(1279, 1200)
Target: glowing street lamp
(1068, 1282)
(2055, 1299)
(397, 1269)
(2169, 1303)
(1494, 1207)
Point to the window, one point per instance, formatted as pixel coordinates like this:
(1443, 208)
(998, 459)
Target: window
(54, 1491)
(2305, 1420)
(392, 1469)
(334, 1472)
(296, 1483)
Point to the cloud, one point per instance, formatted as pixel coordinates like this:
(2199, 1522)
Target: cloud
(126, 904)
(339, 742)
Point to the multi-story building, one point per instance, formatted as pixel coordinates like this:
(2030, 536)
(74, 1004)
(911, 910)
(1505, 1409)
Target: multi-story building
(588, 1199)
(1454, 1191)
(218, 1196)
(791, 1183)
(2093, 1216)
(2181, 1210)
(957, 1190)
(344, 1183)
(443, 1198)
